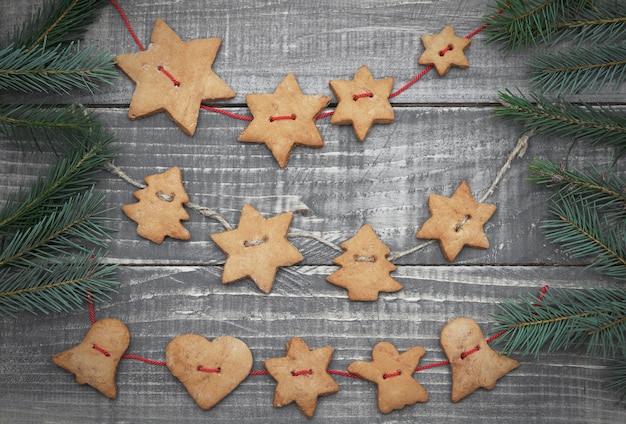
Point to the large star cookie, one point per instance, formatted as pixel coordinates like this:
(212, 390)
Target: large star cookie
(284, 119)
(444, 50)
(257, 248)
(364, 268)
(457, 221)
(301, 376)
(160, 208)
(393, 373)
(363, 102)
(173, 76)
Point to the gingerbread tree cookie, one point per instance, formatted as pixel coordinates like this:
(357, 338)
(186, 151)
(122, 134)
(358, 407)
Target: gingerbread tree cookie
(284, 119)
(363, 102)
(444, 50)
(160, 208)
(364, 267)
(301, 376)
(457, 221)
(393, 373)
(257, 248)
(173, 76)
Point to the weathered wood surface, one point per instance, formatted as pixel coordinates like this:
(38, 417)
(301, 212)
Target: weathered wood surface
(444, 132)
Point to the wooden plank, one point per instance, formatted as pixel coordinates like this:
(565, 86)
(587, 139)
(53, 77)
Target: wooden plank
(160, 303)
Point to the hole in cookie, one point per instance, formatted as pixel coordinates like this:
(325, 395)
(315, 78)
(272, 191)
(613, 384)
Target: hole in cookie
(283, 117)
(301, 372)
(255, 242)
(460, 225)
(359, 258)
(360, 96)
(207, 369)
(469, 352)
(166, 197)
(391, 374)
(447, 49)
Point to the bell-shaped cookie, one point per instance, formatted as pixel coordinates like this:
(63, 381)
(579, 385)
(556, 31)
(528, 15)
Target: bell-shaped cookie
(94, 360)
(474, 364)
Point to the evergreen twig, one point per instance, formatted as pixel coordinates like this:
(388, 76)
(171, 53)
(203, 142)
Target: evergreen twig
(604, 23)
(617, 378)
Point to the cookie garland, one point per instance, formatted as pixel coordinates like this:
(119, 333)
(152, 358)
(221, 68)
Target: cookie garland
(211, 370)
(201, 359)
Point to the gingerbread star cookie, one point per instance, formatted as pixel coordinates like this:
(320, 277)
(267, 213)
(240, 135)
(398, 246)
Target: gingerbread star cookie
(444, 50)
(160, 207)
(363, 102)
(364, 268)
(94, 360)
(301, 376)
(457, 221)
(173, 76)
(474, 364)
(257, 248)
(284, 119)
(393, 373)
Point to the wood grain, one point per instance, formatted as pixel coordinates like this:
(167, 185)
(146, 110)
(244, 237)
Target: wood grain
(444, 132)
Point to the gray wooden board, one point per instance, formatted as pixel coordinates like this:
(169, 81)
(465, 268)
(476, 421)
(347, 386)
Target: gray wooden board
(444, 132)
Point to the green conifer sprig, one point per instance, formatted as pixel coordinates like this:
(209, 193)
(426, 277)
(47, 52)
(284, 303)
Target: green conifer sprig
(58, 22)
(54, 69)
(617, 378)
(523, 23)
(600, 125)
(563, 319)
(578, 70)
(604, 22)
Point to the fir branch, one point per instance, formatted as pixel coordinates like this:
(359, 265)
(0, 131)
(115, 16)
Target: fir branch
(58, 22)
(617, 378)
(579, 70)
(86, 152)
(565, 318)
(583, 232)
(56, 69)
(600, 125)
(605, 23)
(523, 23)
(55, 286)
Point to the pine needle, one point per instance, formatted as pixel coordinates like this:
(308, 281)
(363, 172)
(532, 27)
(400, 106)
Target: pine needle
(604, 23)
(617, 378)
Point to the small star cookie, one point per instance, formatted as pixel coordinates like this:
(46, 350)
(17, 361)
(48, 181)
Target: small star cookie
(173, 76)
(457, 221)
(284, 119)
(364, 268)
(363, 102)
(257, 248)
(444, 50)
(160, 207)
(94, 361)
(393, 373)
(301, 376)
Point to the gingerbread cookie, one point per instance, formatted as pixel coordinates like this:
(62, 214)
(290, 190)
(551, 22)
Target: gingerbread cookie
(160, 207)
(284, 119)
(301, 376)
(257, 248)
(363, 102)
(364, 267)
(457, 221)
(393, 373)
(208, 370)
(474, 364)
(444, 50)
(94, 360)
(173, 76)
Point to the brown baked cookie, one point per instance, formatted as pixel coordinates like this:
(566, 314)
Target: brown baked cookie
(284, 119)
(301, 376)
(94, 360)
(457, 221)
(160, 207)
(444, 50)
(364, 268)
(209, 370)
(393, 373)
(257, 248)
(474, 364)
(363, 102)
(173, 76)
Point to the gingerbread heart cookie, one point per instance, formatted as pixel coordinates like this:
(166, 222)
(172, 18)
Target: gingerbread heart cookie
(209, 370)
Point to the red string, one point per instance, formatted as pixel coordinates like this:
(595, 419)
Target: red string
(92, 313)
(210, 370)
(169, 75)
(146, 360)
(224, 112)
(360, 96)
(101, 350)
(282, 117)
(302, 372)
(128, 26)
